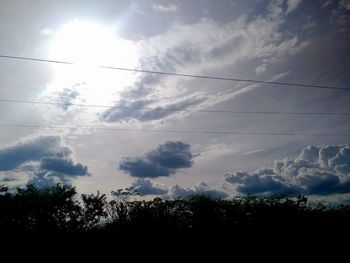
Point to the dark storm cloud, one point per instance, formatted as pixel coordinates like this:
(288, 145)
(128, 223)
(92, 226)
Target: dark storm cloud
(163, 161)
(45, 159)
(320, 170)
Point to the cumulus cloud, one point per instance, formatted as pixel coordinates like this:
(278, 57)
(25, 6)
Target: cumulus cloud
(166, 160)
(62, 165)
(319, 170)
(147, 187)
(12, 157)
(45, 159)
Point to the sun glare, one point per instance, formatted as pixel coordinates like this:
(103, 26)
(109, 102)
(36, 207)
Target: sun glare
(89, 45)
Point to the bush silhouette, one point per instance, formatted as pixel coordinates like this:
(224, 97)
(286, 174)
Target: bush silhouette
(60, 209)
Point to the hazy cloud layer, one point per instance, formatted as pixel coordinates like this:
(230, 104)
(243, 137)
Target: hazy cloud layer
(319, 170)
(45, 159)
(166, 160)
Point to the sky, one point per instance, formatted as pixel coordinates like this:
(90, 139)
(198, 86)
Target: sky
(104, 129)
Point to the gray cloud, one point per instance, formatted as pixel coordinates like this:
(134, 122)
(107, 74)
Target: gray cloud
(147, 187)
(13, 156)
(132, 108)
(44, 158)
(62, 165)
(67, 96)
(163, 161)
(320, 170)
(201, 189)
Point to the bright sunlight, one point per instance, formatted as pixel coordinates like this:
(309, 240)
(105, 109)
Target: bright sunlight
(89, 45)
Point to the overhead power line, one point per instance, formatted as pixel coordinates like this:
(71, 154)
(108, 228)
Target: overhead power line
(182, 74)
(175, 131)
(176, 110)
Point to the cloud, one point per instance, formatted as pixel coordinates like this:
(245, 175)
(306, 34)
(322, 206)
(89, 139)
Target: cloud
(166, 160)
(12, 157)
(171, 8)
(143, 110)
(218, 150)
(45, 159)
(260, 69)
(67, 97)
(292, 5)
(345, 4)
(199, 48)
(202, 188)
(339, 16)
(62, 165)
(318, 170)
(147, 187)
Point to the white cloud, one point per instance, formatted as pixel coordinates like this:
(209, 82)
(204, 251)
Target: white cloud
(215, 151)
(47, 32)
(292, 5)
(172, 8)
(260, 69)
(201, 48)
(252, 152)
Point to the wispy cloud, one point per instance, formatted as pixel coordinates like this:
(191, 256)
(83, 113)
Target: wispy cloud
(171, 8)
(202, 47)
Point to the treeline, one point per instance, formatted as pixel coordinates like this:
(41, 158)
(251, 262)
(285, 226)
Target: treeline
(61, 210)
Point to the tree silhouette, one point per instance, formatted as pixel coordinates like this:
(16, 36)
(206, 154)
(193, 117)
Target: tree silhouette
(59, 209)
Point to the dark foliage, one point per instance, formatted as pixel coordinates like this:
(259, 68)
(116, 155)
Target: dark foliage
(59, 210)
